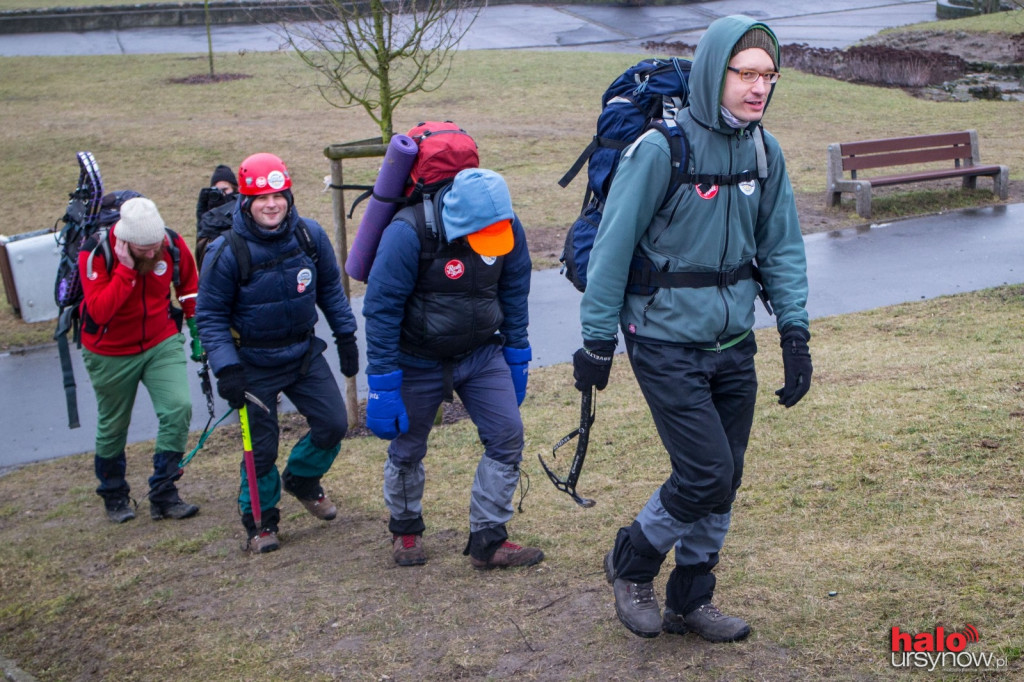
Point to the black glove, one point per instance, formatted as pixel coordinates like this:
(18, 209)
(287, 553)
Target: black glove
(348, 354)
(231, 385)
(592, 364)
(796, 361)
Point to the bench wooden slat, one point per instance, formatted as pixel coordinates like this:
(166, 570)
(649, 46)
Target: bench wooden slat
(934, 175)
(906, 158)
(913, 142)
(959, 149)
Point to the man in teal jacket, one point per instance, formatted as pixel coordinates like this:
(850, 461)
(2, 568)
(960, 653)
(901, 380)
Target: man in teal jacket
(689, 335)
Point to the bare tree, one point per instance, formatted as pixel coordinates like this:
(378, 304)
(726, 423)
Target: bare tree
(374, 53)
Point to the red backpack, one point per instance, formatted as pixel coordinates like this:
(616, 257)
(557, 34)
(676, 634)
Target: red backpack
(444, 150)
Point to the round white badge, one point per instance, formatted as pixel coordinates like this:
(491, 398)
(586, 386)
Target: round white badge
(489, 260)
(275, 179)
(748, 187)
(160, 268)
(304, 278)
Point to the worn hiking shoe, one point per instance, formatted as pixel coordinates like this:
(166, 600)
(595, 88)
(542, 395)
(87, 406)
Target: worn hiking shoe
(408, 550)
(708, 622)
(508, 556)
(635, 603)
(263, 542)
(120, 509)
(172, 510)
(320, 507)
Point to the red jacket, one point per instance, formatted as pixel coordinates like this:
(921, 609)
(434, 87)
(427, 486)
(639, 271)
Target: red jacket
(124, 313)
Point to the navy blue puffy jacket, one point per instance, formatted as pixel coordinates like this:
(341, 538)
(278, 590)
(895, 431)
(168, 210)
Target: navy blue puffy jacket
(276, 311)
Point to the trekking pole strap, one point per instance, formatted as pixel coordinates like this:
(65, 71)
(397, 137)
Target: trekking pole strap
(70, 393)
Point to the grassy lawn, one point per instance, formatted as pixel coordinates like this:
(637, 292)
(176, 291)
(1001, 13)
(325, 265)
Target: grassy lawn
(889, 497)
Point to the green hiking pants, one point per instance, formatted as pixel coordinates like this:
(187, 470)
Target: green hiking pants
(115, 380)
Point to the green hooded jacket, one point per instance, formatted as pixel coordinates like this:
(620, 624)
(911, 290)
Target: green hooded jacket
(705, 229)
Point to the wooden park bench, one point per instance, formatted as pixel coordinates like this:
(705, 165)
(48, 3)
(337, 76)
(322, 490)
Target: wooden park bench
(918, 157)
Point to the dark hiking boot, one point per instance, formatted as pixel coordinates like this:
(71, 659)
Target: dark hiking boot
(708, 622)
(120, 509)
(408, 550)
(263, 542)
(635, 603)
(320, 507)
(176, 509)
(509, 555)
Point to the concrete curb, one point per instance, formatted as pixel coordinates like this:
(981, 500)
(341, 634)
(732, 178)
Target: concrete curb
(79, 19)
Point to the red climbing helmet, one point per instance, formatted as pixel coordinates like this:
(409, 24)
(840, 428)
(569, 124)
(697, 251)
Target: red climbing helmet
(263, 173)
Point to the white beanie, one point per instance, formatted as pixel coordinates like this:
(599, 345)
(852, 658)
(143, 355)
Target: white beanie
(140, 223)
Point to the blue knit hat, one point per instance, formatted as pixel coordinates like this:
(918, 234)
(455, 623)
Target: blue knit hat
(479, 208)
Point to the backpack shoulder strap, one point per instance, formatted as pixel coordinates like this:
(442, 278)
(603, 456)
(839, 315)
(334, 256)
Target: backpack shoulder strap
(172, 247)
(242, 256)
(99, 241)
(762, 156)
(306, 241)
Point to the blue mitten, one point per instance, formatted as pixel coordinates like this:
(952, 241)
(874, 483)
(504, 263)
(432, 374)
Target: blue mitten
(385, 411)
(518, 360)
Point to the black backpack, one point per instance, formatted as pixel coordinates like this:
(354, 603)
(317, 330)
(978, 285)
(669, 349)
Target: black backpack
(87, 221)
(213, 223)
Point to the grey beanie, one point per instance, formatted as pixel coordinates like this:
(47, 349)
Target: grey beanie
(757, 37)
(140, 223)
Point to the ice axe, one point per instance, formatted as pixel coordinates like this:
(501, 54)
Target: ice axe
(247, 457)
(588, 410)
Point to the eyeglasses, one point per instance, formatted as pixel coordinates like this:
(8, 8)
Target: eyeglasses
(748, 76)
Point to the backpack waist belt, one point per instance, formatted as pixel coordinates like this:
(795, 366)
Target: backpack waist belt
(645, 277)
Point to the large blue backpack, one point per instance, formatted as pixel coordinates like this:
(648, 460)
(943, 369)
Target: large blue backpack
(647, 95)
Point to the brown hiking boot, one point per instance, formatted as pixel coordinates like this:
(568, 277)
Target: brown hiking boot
(120, 509)
(408, 550)
(321, 507)
(635, 603)
(508, 556)
(263, 542)
(172, 510)
(708, 622)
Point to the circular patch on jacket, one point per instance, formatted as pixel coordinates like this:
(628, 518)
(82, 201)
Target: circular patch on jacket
(489, 260)
(748, 187)
(454, 269)
(304, 277)
(160, 269)
(708, 193)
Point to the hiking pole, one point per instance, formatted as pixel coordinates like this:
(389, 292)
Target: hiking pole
(249, 459)
(588, 410)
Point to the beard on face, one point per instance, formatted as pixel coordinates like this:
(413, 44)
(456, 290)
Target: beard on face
(146, 264)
